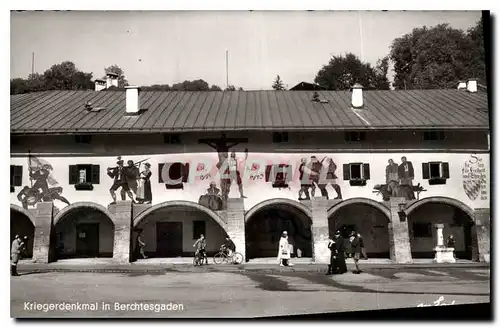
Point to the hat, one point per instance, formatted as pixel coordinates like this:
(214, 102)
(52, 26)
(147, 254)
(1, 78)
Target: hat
(120, 161)
(147, 164)
(130, 162)
(285, 232)
(337, 232)
(17, 236)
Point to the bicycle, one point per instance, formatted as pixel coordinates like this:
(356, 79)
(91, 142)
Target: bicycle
(199, 259)
(234, 258)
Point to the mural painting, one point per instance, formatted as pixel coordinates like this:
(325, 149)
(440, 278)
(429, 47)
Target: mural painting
(227, 166)
(40, 171)
(212, 199)
(312, 176)
(399, 181)
(474, 178)
(126, 178)
(144, 195)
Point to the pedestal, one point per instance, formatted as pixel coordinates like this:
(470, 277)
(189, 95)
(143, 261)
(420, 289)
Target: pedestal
(444, 255)
(320, 235)
(43, 226)
(399, 238)
(123, 231)
(235, 216)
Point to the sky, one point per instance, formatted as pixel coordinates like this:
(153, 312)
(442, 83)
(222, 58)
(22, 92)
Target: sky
(166, 47)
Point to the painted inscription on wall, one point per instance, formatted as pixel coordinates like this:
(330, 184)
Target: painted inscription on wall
(474, 178)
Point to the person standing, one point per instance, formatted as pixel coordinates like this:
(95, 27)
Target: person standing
(362, 246)
(451, 244)
(141, 245)
(284, 250)
(340, 265)
(356, 248)
(333, 256)
(391, 176)
(15, 252)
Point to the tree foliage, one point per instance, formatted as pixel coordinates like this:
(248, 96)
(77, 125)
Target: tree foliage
(196, 85)
(122, 81)
(278, 84)
(342, 72)
(438, 57)
(63, 76)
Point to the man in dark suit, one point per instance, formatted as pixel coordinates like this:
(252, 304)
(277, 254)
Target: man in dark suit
(120, 180)
(405, 172)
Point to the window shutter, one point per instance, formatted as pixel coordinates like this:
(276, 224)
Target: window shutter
(73, 174)
(12, 172)
(425, 171)
(160, 170)
(288, 173)
(185, 172)
(366, 171)
(96, 175)
(268, 172)
(18, 175)
(445, 171)
(346, 171)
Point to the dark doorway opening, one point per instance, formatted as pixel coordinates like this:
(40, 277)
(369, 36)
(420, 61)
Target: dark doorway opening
(21, 225)
(168, 239)
(264, 228)
(367, 220)
(87, 240)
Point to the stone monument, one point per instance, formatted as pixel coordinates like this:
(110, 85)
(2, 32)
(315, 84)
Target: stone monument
(443, 254)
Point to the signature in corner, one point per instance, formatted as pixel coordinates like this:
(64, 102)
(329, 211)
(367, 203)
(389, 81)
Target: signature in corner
(438, 302)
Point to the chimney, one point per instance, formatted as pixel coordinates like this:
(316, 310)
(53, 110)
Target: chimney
(472, 85)
(462, 85)
(100, 84)
(111, 80)
(357, 96)
(132, 100)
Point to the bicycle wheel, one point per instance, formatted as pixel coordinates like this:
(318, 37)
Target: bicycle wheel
(219, 258)
(237, 258)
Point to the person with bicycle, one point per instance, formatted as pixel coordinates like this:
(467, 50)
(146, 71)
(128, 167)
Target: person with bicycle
(201, 245)
(229, 247)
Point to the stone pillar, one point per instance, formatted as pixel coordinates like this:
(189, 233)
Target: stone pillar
(443, 253)
(320, 234)
(43, 226)
(399, 238)
(439, 234)
(482, 226)
(235, 216)
(123, 226)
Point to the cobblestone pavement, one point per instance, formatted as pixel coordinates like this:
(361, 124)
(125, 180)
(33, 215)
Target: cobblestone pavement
(214, 292)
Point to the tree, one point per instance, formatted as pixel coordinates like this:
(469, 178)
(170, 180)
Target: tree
(215, 88)
(341, 73)
(157, 87)
(122, 81)
(230, 88)
(278, 84)
(196, 85)
(63, 76)
(437, 57)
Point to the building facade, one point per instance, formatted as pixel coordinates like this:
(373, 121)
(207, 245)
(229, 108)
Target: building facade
(91, 170)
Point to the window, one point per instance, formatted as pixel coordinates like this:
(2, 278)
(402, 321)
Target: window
(199, 228)
(436, 172)
(176, 171)
(434, 135)
(83, 139)
(16, 176)
(279, 175)
(279, 137)
(84, 176)
(356, 173)
(354, 136)
(422, 230)
(173, 139)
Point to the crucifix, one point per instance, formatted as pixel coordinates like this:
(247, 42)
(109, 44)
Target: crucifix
(222, 145)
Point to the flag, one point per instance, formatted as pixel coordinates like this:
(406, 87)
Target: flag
(35, 163)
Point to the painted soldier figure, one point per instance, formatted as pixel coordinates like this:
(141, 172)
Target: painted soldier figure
(120, 180)
(40, 176)
(305, 182)
(405, 172)
(331, 178)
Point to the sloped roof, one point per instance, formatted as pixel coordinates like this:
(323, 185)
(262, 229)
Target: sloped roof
(183, 111)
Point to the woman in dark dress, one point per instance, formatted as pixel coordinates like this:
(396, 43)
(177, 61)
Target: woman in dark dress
(340, 265)
(144, 194)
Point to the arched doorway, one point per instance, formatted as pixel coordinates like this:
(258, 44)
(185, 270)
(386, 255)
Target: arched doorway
(170, 229)
(265, 222)
(366, 217)
(83, 230)
(22, 224)
(457, 221)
